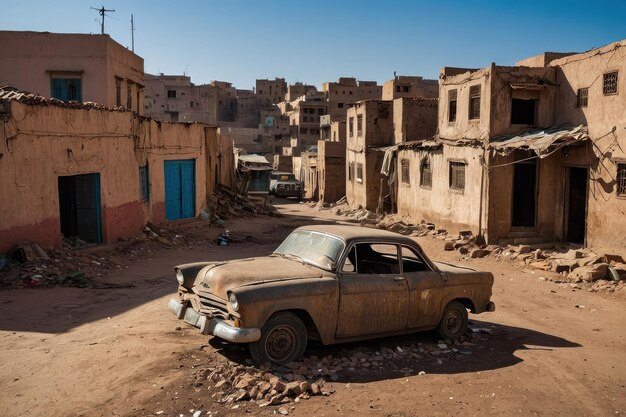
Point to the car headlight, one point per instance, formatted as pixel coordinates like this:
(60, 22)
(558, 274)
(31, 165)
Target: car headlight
(179, 276)
(234, 304)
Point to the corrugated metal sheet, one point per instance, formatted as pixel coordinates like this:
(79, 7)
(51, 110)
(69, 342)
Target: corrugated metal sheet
(540, 141)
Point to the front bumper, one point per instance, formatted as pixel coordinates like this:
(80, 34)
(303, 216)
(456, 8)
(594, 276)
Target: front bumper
(213, 326)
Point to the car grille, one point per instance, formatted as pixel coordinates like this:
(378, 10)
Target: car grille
(210, 304)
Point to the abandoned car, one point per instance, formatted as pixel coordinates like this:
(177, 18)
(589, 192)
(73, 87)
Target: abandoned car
(285, 184)
(330, 283)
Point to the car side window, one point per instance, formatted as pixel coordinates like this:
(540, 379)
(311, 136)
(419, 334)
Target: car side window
(412, 261)
(372, 258)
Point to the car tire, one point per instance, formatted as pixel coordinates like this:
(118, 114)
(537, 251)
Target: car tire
(453, 322)
(283, 340)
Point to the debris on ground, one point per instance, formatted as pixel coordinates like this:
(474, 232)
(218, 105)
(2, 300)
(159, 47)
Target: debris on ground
(224, 204)
(576, 265)
(270, 385)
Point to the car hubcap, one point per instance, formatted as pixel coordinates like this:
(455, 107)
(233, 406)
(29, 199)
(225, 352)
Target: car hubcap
(453, 322)
(280, 343)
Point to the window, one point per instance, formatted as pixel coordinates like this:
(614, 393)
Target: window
(426, 174)
(340, 105)
(522, 112)
(144, 184)
(457, 175)
(67, 89)
(305, 119)
(129, 96)
(191, 104)
(405, 89)
(372, 258)
(118, 92)
(351, 126)
(174, 116)
(404, 164)
(351, 171)
(474, 102)
(320, 111)
(412, 261)
(609, 85)
(583, 97)
(359, 125)
(452, 105)
(171, 93)
(621, 179)
(397, 88)
(359, 172)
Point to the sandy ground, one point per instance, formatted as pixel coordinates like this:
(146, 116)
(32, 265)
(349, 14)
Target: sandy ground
(553, 350)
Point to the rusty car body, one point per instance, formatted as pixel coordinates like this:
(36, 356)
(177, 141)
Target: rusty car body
(330, 283)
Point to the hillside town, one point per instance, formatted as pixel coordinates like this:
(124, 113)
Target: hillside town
(112, 176)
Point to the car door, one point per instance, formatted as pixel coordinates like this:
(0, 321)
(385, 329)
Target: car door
(426, 288)
(373, 295)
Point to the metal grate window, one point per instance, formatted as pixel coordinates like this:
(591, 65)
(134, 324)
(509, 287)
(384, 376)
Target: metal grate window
(452, 105)
(457, 175)
(359, 125)
(583, 97)
(351, 127)
(621, 179)
(426, 174)
(610, 83)
(404, 164)
(351, 172)
(474, 102)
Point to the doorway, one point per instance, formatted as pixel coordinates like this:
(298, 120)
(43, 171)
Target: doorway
(79, 207)
(524, 194)
(576, 204)
(180, 189)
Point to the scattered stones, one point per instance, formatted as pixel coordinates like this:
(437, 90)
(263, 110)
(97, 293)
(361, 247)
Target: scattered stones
(589, 273)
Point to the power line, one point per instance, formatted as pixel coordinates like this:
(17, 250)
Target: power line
(102, 12)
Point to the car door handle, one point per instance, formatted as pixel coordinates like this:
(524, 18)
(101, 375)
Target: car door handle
(398, 278)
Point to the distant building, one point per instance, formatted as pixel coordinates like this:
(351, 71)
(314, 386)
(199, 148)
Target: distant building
(73, 67)
(410, 86)
(346, 91)
(271, 91)
(175, 98)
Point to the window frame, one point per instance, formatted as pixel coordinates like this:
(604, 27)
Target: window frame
(359, 172)
(426, 159)
(453, 179)
(474, 96)
(359, 125)
(620, 178)
(604, 81)
(405, 171)
(144, 183)
(452, 98)
(582, 100)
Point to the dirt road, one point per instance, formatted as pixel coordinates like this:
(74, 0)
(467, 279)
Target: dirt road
(552, 350)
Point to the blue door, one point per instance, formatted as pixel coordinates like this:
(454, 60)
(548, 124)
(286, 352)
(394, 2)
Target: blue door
(180, 189)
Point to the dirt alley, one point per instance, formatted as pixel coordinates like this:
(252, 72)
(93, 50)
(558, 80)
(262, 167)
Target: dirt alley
(552, 350)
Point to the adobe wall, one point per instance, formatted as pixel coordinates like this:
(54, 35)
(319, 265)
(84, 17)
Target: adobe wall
(605, 116)
(331, 163)
(447, 208)
(40, 143)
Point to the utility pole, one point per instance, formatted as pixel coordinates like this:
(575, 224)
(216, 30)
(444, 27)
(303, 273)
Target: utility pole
(102, 12)
(132, 32)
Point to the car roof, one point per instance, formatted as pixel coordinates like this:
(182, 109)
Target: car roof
(282, 172)
(349, 233)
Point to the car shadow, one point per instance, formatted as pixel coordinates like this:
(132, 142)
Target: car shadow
(491, 346)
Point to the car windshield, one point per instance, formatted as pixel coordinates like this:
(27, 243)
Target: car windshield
(313, 248)
(286, 177)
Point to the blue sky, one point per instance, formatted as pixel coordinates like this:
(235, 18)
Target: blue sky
(317, 40)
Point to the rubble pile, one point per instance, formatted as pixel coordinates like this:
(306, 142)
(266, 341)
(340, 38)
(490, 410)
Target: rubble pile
(225, 204)
(270, 385)
(34, 267)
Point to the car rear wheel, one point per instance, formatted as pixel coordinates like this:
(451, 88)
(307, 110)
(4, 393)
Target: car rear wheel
(283, 340)
(453, 322)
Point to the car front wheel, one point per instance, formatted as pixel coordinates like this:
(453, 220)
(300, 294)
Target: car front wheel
(283, 340)
(453, 322)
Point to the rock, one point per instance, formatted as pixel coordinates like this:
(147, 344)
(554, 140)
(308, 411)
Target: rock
(305, 386)
(479, 253)
(242, 395)
(448, 245)
(589, 260)
(278, 385)
(245, 381)
(465, 233)
(292, 388)
(522, 249)
(463, 250)
(315, 389)
(283, 410)
(564, 265)
(611, 258)
(538, 254)
(589, 273)
(573, 254)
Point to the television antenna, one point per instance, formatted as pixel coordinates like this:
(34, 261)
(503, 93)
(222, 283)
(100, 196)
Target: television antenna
(102, 12)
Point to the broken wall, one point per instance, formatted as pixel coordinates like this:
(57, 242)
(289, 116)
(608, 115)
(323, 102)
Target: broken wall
(40, 143)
